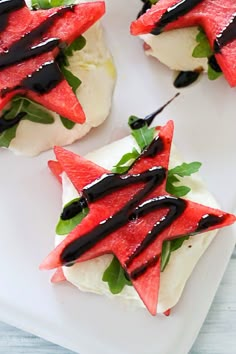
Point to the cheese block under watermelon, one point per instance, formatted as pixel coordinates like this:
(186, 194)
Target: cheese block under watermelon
(143, 267)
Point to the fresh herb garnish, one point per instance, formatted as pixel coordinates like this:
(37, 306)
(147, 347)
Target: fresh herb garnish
(203, 50)
(33, 112)
(186, 169)
(168, 247)
(64, 227)
(115, 276)
(48, 4)
(142, 136)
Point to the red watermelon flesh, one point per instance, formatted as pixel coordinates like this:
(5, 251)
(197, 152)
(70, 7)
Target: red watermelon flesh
(212, 16)
(124, 241)
(67, 28)
(58, 276)
(56, 169)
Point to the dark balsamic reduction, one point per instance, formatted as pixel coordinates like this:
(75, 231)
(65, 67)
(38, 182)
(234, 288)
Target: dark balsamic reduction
(213, 64)
(209, 220)
(44, 79)
(146, 5)
(9, 123)
(143, 268)
(74, 209)
(227, 35)
(186, 78)
(176, 207)
(173, 13)
(141, 122)
(6, 7)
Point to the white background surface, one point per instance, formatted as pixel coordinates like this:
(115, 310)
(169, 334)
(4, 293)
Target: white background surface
(30, 203)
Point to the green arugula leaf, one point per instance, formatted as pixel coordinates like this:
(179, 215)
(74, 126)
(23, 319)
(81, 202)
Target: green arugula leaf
(68, 124)
(212, 74)
(64, 227)
(114, 275)
(125, 162)
(169, 247)
(34, 113)
(7, 136)
(144, 135)
(186, 169)
(203, 49)
(48, 4)
(78, 44)
(72, 80)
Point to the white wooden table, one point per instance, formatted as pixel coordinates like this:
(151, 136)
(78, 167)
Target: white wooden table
(217, 336)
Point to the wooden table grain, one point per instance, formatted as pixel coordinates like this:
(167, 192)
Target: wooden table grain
(217, 336)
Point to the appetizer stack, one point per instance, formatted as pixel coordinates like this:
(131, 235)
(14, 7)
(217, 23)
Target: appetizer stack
(136, 218)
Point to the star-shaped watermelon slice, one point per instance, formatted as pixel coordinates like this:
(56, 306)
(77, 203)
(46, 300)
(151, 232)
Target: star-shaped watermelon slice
(29, 44)
(130, 215)
(217, 18)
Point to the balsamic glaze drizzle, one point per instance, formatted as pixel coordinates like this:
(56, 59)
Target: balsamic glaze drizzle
(44, 79)
(227, 35)
(186, 78)
(9, 123)
(176, 207)
(135, 274)
(141, 122)
(173, 13)
(74, 208)
(6, 7)
(146, 5)
(209, 220)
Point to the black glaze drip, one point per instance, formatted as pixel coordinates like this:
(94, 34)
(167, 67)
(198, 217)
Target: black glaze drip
(74, 208)
(146, 5)
(141, 122)
(227, 35)
(135, 274)
(79, 246)
(213, 64)
(44, 79)
(9, 123)
(6, 7)
(24, 49)
(173, 13)
(176, 207)
(209, 220)
(186, 78)
(155, 148)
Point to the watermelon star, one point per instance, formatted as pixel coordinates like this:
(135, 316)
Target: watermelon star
(217, 18)
(29, 44)
(130, 215)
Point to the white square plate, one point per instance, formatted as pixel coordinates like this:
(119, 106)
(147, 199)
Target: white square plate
(205, 128)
